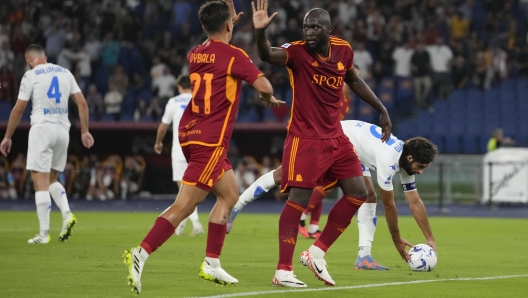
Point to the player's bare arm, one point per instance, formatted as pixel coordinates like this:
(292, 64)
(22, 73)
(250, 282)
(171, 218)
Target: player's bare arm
(263, 86)
(391, 215)
(86, 137)
(162, 131)
(234, 16)
(14, 120)
(364, 92)
(261, 21)
(420, 215)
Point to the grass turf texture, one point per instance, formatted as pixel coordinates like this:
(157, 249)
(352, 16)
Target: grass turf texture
(90, 263)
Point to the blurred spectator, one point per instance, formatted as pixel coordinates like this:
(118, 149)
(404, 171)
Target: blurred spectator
(7, 57)
(7, 184)
(459, 26)
(363, 59)
(266, 165)
(154, 110)
(402, 58)
(292, 32)
(483, 68)
(498, 140)
(100, 184)
(112, 101)
(522, 60)
(182, 11)
(441, 56)
(164, 85)
(244, 177)
(84, 65)
(109, 50)
(55, 39)
(95, 102)
(93, 47)
(19, 41)
(499, 65)
(9, 85)
(119, 79)
(460, 74)
(18, 172)
(347, 11)
(82, 178)
(141, 113)
(157, 68)
(67, 56)
(130, 177)
(420, 65)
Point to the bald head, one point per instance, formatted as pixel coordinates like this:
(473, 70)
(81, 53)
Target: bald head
(316, 29)
(319, 16)
(35, 55)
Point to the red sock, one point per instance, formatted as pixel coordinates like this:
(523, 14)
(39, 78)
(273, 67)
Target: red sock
(317, 196)
(215, 240)
(288, 230)
(338, 220)
(160, 232)
(316, 213)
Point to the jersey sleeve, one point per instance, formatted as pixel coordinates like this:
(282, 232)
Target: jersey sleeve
(407, 181)
(168, 115)
(74, 87)
(243, 68)
(292, 54)
(385, 171)
(349, 61)
(26, 86)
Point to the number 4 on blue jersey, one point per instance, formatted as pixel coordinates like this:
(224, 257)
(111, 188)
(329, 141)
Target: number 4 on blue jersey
(53, 91)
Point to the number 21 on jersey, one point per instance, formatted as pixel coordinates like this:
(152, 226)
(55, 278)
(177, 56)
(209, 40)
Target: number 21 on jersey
(53, 91)
(197, 80)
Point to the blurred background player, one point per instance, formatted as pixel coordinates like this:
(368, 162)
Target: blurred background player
(316, 151)
(173, 113)
(217, 70)
(48, 86)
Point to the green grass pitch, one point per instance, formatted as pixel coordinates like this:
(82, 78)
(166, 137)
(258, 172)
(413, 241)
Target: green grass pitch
(90, 263)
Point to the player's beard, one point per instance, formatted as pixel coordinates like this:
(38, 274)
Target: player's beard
(406, 166)
(318, 46)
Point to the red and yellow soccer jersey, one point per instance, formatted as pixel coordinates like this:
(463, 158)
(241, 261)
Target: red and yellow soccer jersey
(317, 85)
(216, 72)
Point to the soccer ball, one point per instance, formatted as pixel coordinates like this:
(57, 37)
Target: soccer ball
(423, 258)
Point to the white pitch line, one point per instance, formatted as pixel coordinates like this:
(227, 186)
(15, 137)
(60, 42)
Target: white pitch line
(363, 286)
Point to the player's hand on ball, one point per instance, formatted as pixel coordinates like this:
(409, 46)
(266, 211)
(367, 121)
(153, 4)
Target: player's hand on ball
(260, 15)
(386, 127)
(401, 245)
(158, 147)
(87, 140)
(432, 244)
(5, 147)
(273, 102)
(234, 16)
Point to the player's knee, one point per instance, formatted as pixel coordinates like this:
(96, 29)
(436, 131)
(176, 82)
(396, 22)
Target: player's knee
(371, 198)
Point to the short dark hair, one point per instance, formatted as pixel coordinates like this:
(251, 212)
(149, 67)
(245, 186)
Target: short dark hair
(184, 81)
(421, 149)
(35, 48)
(213, 15)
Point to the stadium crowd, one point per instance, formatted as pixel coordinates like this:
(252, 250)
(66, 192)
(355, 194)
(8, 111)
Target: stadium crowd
(126, 54)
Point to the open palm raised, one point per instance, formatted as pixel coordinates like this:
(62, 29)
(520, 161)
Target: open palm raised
(260, 14)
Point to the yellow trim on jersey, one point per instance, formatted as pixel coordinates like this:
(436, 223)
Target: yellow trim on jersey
(330, 186)
(211, 164)
(189, 183)
(292, 84)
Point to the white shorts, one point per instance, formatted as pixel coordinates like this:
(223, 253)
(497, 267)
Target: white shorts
(365, 170)
(178, 168)
(47, 148)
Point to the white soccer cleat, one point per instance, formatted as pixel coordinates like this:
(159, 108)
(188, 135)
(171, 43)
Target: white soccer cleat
(38, 239)
(197, 231)
(135, 265)
(180, 229)
(285, 278)
(216, 274)
(318, 267)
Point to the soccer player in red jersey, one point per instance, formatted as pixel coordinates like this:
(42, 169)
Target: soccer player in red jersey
(217, 70)
(316, 151)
